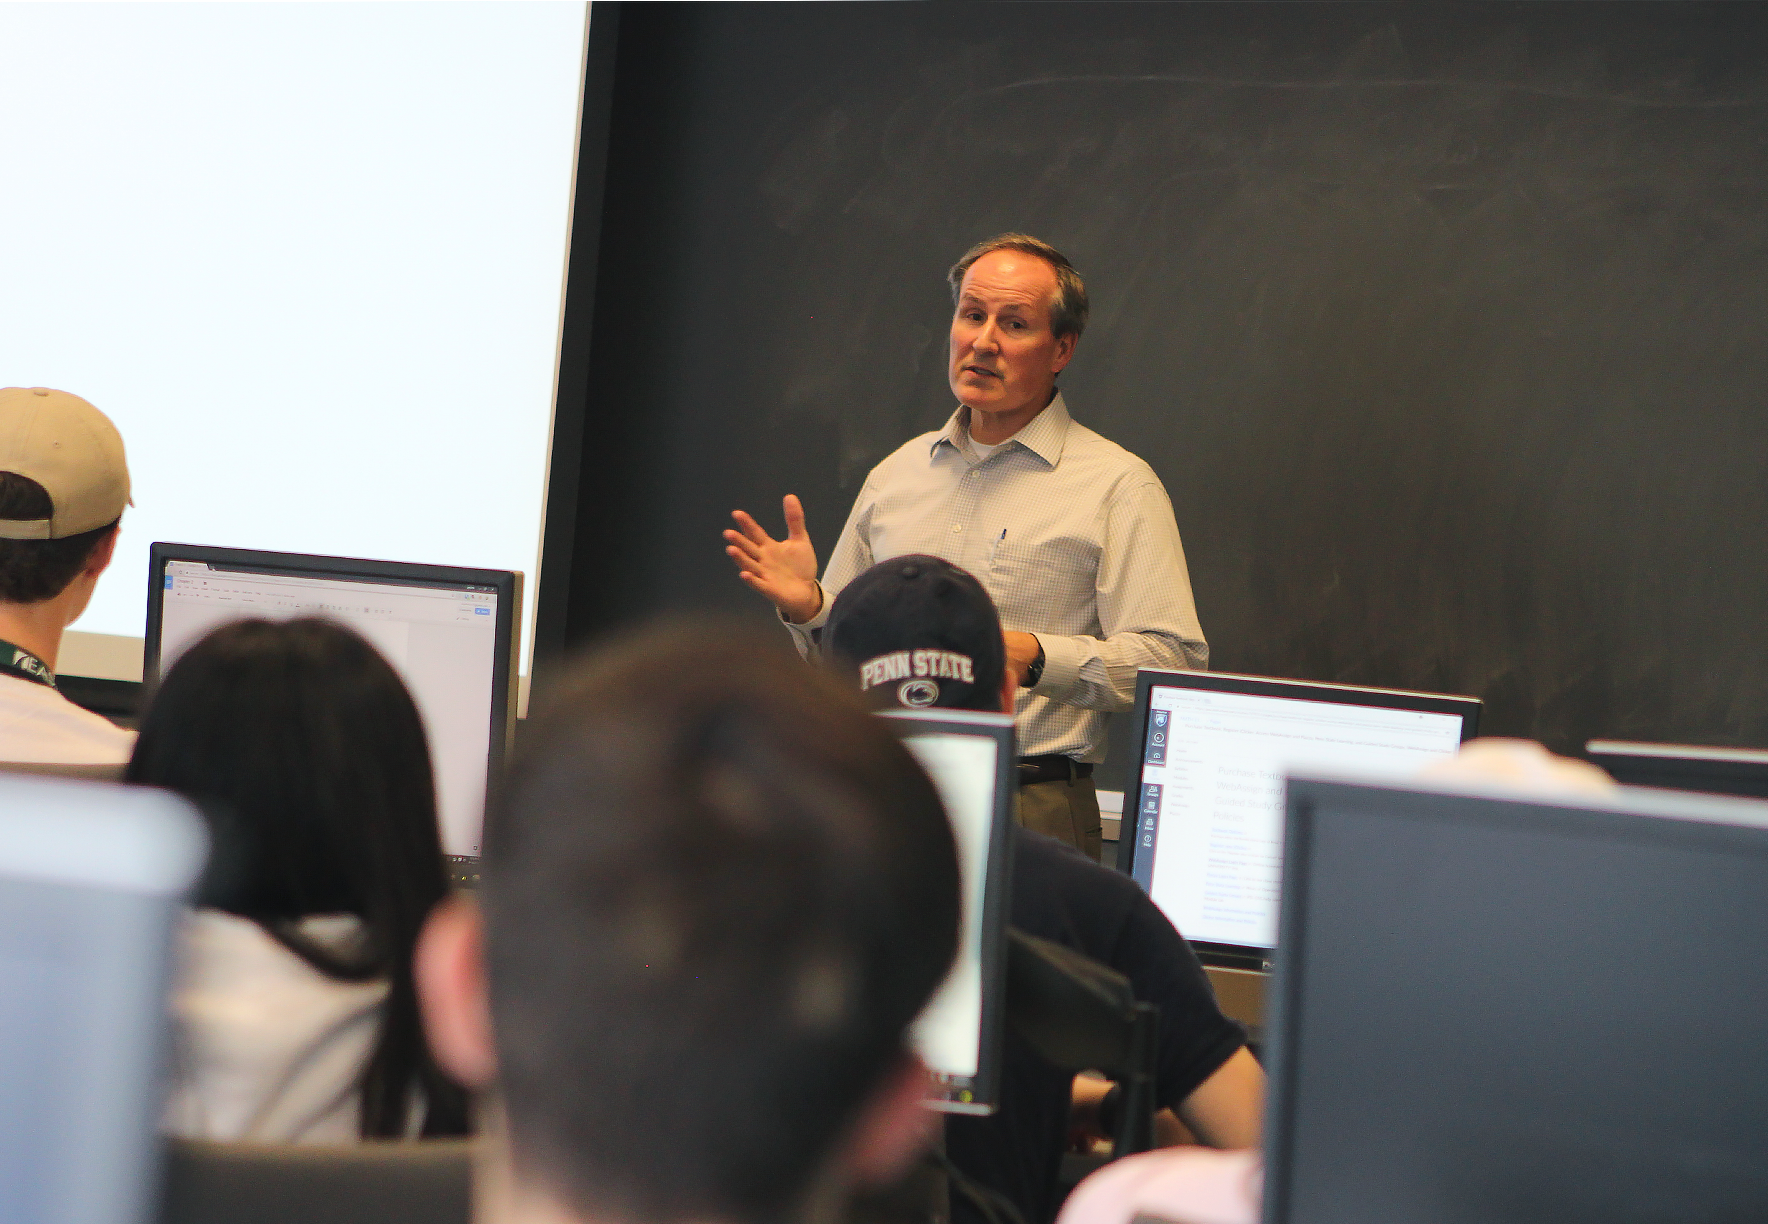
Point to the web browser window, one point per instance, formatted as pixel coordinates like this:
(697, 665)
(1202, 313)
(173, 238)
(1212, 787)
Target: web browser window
(441, 639)
(1210, 818)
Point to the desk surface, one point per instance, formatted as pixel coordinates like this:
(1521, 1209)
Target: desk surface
(1240, 994)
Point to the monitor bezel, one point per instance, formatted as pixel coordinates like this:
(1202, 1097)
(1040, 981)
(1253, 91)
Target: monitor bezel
(507, 584)
(1707, 822)
(1248, 956)
(1693, 768)
(112, 868)
(983, 1088)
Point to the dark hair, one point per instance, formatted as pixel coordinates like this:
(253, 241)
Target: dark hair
(1068, 311)
(716, 892)
(34, 570)
(305, 751)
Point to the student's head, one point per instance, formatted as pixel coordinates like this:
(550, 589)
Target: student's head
(63, 487)
(918, 632)
(716, 892)
(304, 748)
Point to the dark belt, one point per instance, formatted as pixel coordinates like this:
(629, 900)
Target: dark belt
(1033, 770)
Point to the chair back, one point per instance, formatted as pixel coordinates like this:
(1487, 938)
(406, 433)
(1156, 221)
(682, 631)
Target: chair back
(1080, 1016)
(377, 1182)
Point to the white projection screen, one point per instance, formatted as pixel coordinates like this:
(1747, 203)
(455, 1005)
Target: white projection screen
(309, 257)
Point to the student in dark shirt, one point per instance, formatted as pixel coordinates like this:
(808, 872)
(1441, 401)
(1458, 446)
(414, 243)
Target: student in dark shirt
(1207, 1076)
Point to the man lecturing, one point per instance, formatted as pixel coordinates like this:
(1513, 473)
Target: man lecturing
(1071, 535)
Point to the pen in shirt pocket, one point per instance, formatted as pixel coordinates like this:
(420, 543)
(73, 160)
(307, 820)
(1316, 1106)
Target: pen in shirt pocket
(996, 546)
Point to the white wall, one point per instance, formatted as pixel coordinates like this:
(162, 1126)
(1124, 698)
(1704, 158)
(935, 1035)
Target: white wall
(309, 257)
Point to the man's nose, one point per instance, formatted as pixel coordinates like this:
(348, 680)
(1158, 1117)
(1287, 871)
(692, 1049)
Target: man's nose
(988, 336)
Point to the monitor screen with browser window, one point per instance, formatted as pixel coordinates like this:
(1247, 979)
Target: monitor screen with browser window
(448, 632)
(1205, 838)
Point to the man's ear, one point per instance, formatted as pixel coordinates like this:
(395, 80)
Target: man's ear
(102, 552)
(1064, 353)
(449, 970)
(893, 1127)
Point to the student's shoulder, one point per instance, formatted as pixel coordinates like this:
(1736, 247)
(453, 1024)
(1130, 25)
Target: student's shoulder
(1056, 885)
(1064, 870)
(40, 726)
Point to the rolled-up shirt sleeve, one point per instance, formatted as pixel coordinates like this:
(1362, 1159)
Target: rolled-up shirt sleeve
(1147, 617)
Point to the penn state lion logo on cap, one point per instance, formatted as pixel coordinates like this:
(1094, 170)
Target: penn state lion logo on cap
(917, 694)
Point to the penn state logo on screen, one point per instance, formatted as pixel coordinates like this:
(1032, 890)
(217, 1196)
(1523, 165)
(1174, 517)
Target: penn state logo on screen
(917, 694)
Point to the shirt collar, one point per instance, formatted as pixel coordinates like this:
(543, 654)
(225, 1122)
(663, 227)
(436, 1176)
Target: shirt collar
(1044, 435)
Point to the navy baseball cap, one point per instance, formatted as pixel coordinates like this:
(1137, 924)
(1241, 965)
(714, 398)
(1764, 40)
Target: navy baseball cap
(919, 632)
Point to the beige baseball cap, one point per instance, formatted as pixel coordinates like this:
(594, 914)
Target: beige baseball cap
(73, 451)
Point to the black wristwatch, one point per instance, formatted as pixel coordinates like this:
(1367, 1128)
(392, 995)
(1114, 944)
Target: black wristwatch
(1035, 672)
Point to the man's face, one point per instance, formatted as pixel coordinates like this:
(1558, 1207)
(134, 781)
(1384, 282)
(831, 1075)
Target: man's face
(1004, 358)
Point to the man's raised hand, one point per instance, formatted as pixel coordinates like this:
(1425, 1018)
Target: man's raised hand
(783, 570)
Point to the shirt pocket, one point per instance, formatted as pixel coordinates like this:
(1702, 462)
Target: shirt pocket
(1046, 582)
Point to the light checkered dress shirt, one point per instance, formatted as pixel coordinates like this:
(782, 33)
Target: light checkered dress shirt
(1074, 538)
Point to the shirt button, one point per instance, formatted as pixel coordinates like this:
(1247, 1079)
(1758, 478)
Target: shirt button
(957, 527)
(972, 475)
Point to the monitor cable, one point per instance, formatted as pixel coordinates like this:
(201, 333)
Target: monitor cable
(995, 1207)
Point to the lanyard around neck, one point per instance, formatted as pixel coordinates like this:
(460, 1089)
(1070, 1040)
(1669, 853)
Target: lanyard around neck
(17, 661)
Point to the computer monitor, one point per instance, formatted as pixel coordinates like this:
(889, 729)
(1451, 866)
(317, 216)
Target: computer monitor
(970, 758)
(1529, 1010)
(448, 632)
(1714, 771)
(1206, 834)
(91, 876)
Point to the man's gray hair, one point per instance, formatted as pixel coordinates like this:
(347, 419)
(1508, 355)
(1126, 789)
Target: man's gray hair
(1068, 313)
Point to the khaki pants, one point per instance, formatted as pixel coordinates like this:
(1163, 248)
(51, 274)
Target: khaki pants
(1067, 810)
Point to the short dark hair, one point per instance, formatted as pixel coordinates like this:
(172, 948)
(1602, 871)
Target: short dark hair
(716, 892)
(308, 756)
(34, 570)
(1068, 312)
